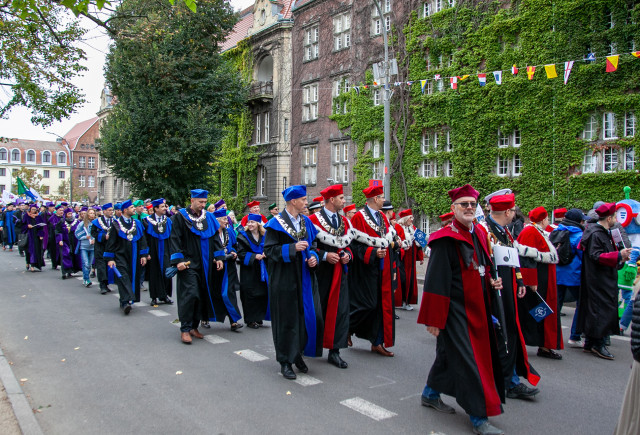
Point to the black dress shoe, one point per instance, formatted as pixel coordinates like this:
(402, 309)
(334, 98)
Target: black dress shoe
(127, 309)
(438, 405)
(300, 364)
(253, 325)
(549, 354)
(154, 301)
(287, 371)
(103, 290)
(602, 352)
(521, 391)
(167, 301)
(334, 358)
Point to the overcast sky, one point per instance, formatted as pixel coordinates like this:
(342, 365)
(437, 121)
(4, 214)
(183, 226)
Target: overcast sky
(96, 43)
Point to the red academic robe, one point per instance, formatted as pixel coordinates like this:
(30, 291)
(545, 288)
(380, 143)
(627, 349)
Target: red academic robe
(410, 253)
(538, 259)
(456, 300)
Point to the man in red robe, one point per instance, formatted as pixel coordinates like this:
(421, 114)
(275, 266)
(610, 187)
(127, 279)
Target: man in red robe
(411, 252)
(254, 208)
(456, 309)
(333, 238)
(371, 295)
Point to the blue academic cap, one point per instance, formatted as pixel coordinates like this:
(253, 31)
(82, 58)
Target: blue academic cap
(220, 213)
(254, 217)
(50, 204)
(199, 193)
(157, 202)
(294, 192)
(126, 204)
(118, 206)
(107, 205)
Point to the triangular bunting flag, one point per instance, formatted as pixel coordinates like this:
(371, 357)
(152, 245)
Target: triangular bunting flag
(482, 79)
(436, 77)
(636, 53)
(423, 83)
(531, 70)
(397, 84)
(498, 76)
(409, 83)
(551, 71)
(567, 70)
(375, 83)
(591, 57)
(366, 86)
(454, 82)
(612, 63)
(514, 70)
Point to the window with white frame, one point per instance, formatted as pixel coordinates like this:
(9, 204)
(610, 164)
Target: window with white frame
(46, 173)
(62, 158)
(589, 162)
(377, 97)
(613, 49)
(91, 162)
(342, 31)
(92, 181)
(426, 9)
(82, 162)
(440, 85)
(15, 155)
(258, 127)
(429, 168)
(429, 87)
(376, 20)
(503, 140)
(432, 6)
(82, 181)
(310, 102)
(46, 157)
(516, 166)
(340, 162)
(340, 85)
(31, 156)
(262, 181)
(45, 190)
(629, 124)
(440, 61)
(377, 170)
(375, 149)
(447, 144)
(629, 158)
(609, 159)
(447, 168)
(61, 175)
(517, 140)
(428, 62)
(609, 18)
(311, 47)
(267, 137)
(502, 166)
(309, 164)
(4, 155)
(425, 225)
(590, 127)
(609, 126)
(429, 141)
(509, 140)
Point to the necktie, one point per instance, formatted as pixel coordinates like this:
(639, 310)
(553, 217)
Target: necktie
(334, 221)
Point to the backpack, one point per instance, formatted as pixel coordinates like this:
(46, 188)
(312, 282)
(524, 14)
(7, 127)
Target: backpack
(560, 240)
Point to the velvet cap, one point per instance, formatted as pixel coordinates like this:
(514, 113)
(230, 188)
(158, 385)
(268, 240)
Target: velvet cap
(199, 193)
(294, 192)
(349, 208)
(606, 210)
(404, 213)
(502, 202)
(372, 191)
(465, 191)
(538, 214)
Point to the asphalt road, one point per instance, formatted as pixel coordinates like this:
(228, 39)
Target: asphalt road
(91, 370)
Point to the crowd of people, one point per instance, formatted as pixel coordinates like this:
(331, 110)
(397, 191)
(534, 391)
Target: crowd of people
(323, 273)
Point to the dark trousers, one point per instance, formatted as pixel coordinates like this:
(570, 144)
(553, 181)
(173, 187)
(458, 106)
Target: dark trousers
(188, 295)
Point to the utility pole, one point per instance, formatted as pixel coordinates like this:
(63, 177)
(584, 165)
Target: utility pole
(387, 105)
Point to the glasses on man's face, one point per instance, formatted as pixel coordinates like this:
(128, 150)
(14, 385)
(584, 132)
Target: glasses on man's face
(467, 204)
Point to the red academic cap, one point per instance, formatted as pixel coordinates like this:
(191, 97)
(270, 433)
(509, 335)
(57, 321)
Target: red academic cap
(372, 191)
(318, 198)
(331, 191)
(606, 210)
(502, 202)
(404, 213)
(559, 212)
(460, 192)
(446, 216)
(349, 208)
(538, 214)
(253, 204)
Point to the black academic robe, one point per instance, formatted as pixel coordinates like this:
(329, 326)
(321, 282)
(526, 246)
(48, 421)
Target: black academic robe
(598, 313)
(224, 302)
(126, 246)
(157, 234)
(333, 282)
(52, 246)
(99, 231)
(18, 217)
(456, 300)
(371, 279)
(253, 278)
(514, 354)
(34, 254)
(296, 314)
(188, 243)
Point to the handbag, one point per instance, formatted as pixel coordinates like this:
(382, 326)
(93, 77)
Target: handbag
(22, 241)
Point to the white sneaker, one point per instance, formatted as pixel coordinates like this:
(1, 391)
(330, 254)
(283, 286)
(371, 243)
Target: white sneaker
(404, 306)
(576, 343)
(408, 308)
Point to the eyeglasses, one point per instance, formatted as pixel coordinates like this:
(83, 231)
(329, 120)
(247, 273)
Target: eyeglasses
(467, 204)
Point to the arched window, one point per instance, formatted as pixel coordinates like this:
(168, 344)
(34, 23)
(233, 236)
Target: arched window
(15, 155)
(46, 157)
(31, 156)
(4, 155)
(265, 70)
(62, 158)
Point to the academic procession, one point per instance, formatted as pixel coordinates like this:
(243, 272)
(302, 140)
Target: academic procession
(324, 275)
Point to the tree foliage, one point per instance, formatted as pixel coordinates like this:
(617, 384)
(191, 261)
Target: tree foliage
(175, 96)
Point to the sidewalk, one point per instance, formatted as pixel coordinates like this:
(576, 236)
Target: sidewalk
(8, 422)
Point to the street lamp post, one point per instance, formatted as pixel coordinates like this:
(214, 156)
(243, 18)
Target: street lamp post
(387, 105)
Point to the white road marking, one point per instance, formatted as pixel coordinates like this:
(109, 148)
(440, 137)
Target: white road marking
(158, 313)
(367, 408)
(141, 304)
(306, 380)
(412, 396)
(216, 339)
(565, 327)
(175, 323)
(388, 382)
(621, 338)
(251, 355)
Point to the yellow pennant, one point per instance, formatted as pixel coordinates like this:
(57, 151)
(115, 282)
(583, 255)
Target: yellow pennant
(551, 71)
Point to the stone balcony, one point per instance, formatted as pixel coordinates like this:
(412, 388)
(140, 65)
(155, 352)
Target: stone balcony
(262, 91)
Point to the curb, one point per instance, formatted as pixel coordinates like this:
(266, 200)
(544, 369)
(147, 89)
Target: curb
(21, 408)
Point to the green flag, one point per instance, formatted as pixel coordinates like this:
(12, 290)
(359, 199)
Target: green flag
(22, 189)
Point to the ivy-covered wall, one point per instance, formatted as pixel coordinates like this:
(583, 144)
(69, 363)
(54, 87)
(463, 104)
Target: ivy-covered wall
(484, 36)
(235, 165)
